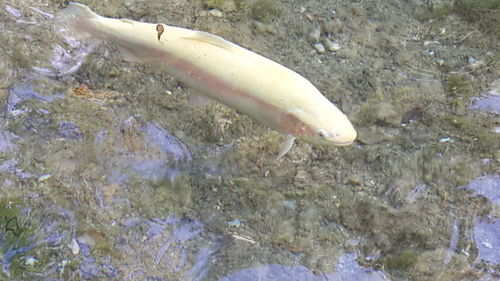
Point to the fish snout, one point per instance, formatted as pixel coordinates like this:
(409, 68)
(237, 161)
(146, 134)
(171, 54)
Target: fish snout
(345, 137)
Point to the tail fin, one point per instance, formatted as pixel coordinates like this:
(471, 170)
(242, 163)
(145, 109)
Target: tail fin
(75, 20)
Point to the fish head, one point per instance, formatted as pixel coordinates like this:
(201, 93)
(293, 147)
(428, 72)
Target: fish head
(324, 125)
(338, 131)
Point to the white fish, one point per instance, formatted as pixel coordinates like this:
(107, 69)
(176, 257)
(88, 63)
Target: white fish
(226, 72)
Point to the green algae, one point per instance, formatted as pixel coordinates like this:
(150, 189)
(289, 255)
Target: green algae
(175, 197)
(440, 11)
(402, 260)
(474, 130)
(223, 5)
(485, 13)
(264, 10)
(13, 230)
(458, 85)
(16, 235)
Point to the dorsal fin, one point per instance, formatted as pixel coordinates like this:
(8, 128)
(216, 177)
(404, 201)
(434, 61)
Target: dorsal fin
(208, 38)
(127, 21)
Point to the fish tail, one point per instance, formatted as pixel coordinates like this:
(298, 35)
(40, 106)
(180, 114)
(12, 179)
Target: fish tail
(75, 20)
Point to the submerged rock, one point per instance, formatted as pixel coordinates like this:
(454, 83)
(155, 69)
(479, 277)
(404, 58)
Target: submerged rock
(313, 36)
(69, 130)
(487, 237)
(487, 232)
(6, 141)
(9, 166)
(346, 269)
(142, 147)
(174, 247)
(330, 45)
(489, 102)
(24, 91)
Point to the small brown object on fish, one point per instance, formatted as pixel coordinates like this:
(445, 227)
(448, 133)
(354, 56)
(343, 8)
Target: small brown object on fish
(159, 29)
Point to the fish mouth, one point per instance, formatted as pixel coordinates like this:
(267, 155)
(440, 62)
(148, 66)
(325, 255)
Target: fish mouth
(330, 141)
(344, 143)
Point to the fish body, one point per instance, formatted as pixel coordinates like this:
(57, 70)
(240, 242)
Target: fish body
(224, 71)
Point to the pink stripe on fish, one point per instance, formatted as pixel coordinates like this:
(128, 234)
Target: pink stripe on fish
(289, 124)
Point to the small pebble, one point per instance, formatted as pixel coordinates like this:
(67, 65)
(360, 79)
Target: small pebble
(426, 43)
(353, 242)
(31, 261)
(446, 139)
(290, 204)
(216, 13)
(45, 177)
(302, 178)
(475, 64)
(263, 28)
(234, 223)
(331, 46)
(355, 180)
(473, 60)
(487, 245)
(319, 48)
(62, 265)
(75, 247)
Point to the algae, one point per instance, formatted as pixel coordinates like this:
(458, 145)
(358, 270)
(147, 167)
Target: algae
(391, 197)
(223, 5)
(485, 13)
(264, 10)
(402, 260)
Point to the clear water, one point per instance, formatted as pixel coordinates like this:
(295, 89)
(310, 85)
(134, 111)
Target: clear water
(106, 173)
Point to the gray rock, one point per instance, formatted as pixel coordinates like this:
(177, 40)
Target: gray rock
(313, 36)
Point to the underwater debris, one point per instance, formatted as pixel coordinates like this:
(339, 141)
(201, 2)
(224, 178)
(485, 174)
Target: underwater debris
(45, 177)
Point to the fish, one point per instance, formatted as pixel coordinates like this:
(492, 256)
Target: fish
(223, 71)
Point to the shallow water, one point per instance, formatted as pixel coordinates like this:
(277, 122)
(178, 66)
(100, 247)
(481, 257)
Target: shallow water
(106, 173)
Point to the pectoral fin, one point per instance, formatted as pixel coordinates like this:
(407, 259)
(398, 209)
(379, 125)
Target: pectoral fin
(197, 99)
(129, 55)
(286, 146)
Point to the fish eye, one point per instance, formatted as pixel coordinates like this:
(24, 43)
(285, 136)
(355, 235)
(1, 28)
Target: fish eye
(322, 133)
